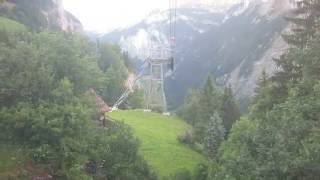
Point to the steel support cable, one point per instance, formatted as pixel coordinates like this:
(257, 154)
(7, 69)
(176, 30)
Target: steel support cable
(170, 19)
(125, 95)
(175, 18)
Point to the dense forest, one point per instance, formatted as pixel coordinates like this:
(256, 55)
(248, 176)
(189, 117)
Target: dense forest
(47, 112)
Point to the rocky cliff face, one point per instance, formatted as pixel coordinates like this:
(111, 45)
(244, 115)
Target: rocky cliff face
(154, 30)
(233, 44)
(245, 85)
(41, 14)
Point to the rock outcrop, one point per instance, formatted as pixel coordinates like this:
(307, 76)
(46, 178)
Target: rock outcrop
(41, 14)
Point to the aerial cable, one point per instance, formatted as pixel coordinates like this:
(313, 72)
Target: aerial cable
(175, 21)
(172, 21)
(169, 18)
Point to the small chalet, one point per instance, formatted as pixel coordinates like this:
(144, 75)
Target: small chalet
(101, 106)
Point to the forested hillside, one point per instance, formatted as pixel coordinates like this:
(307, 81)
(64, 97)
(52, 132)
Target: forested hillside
(46, 109)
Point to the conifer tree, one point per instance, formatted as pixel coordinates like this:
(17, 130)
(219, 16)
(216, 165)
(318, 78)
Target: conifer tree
(229, 109)
(214, 135)
(210, 102)
(264, 98)
(210, 99)
(305, 21)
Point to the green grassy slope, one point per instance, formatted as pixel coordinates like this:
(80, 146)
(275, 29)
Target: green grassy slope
(10, 25)
(159, 144)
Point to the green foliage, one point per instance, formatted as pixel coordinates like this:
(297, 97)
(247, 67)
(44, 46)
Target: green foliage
(214, 135)
(199, 106)
(45, 77)
(55, 133)
(202, 110)
(10, 25)
(263, 101)
(112, 63)
(230, 112)
(10, 157)
(181, 174)
(135, 100)
(114, 154)
(108, 55)
(235, 153)
(306, 20)
(210, 100)
(201, 172)
(189, 109)
(186, 137)
(278, 140)
(34, 64)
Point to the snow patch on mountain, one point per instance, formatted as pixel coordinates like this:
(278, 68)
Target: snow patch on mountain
(156, 16)
(155, 28)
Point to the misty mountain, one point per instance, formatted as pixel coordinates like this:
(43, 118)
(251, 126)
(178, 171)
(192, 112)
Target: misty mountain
(233, 44)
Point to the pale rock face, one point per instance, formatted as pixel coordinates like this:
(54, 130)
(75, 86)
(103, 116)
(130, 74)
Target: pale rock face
(208, 3)
(208, 42)
(275, 7)
(66, 21)
(153, 31)
(54, 14)
(245, 86)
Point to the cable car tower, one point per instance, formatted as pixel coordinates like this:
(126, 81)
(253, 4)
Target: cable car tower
(160, 57)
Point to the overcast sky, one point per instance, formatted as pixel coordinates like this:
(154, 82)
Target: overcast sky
(105, 15)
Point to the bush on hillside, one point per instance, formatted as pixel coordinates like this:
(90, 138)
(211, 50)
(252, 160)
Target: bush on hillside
(186, 138)
(181, 174)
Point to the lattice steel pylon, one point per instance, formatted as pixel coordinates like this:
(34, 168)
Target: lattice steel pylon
(157, 59)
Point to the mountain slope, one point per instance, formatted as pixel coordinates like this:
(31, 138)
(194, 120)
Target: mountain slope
(154, 30)
(159, 144)
(40, 14)
(233, 44)
(235, 53)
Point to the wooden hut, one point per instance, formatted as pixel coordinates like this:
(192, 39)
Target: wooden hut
(101, 106)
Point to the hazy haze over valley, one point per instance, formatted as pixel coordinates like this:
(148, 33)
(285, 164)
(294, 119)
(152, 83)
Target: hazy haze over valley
(103, 16)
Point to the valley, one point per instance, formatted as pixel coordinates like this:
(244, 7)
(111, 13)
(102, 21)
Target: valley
(241, 79)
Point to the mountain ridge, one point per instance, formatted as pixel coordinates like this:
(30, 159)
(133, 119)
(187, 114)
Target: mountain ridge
(234, 45)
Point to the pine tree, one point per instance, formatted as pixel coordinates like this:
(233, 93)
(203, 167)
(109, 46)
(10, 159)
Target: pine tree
(190, 109)
(214, 135)
(210, 99)
(306, 22)
(210, 102)
(263, 81)
(306, 26)
(229, 109)
(265, 97)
